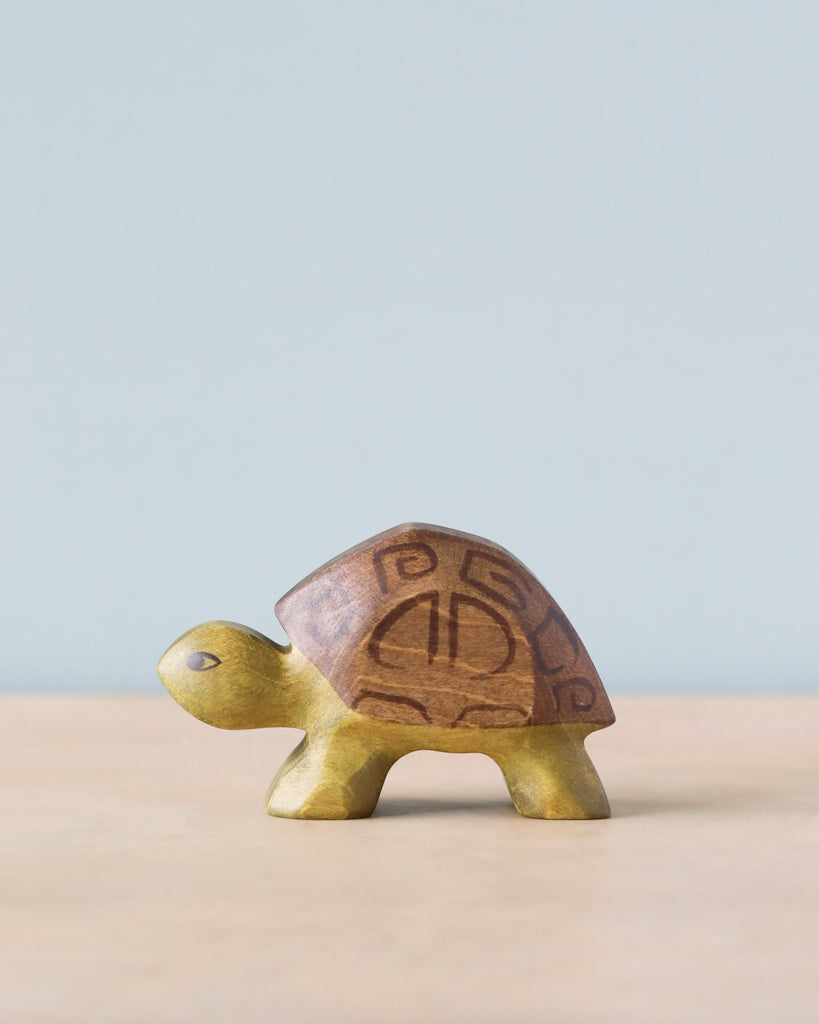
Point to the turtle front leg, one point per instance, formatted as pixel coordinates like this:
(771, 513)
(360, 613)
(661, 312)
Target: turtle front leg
(550, 775)
(332, 773)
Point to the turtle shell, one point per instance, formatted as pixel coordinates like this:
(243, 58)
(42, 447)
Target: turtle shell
(429, 626)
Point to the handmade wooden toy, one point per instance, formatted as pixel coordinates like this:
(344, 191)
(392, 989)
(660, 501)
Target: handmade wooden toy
(419, 638)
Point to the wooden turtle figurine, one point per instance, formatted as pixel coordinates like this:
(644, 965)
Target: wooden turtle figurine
(421, 638)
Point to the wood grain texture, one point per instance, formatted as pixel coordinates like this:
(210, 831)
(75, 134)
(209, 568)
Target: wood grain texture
(421, 638)
(423, 624)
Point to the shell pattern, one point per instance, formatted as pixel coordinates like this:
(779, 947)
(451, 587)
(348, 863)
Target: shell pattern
(429, 626)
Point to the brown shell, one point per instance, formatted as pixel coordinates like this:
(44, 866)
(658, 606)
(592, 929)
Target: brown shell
(425, 625)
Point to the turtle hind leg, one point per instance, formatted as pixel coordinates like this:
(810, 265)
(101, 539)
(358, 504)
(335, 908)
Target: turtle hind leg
(336, 773)
(550, 775)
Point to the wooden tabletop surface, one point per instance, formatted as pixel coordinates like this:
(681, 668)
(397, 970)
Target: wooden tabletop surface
(142, 880)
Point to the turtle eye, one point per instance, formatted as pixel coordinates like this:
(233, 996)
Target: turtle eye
(201, 661)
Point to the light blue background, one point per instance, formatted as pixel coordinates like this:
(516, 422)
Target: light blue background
(275, 277)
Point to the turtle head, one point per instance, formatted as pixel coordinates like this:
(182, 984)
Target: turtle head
(229, 675)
